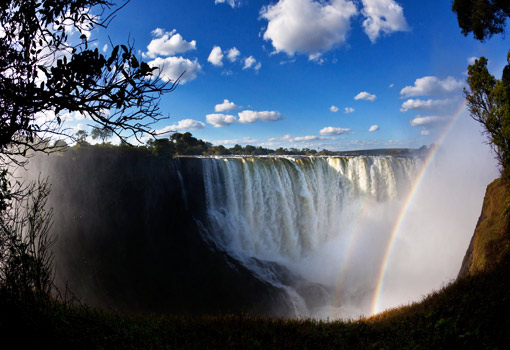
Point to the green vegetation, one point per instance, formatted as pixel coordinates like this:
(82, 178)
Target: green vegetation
(489, 104)
(469, 314)
(488, 98)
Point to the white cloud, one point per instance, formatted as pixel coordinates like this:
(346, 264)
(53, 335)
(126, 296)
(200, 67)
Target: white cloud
(291, 138)
(373, 128)
(78, 126)
(425, 132)
(424, 105)
(420, 121)
(253, 116)
(307, 26)
(171, 68)
(158, 32)
(348, 110)
(431, 85)
(185, 124)
(365, 96)
(391, 85)
(382, 16)
(471, 60)
(250, 62)
(330, 130)
(216, 56)
(244, 140)
(333, 108)
(68, 117)
(168, 44)
(226, 106)
(232, 3)
(233, 54)
(219, 120)
(105, 47)
(303, 138)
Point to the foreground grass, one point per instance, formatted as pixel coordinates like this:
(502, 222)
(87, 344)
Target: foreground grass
(471, 313)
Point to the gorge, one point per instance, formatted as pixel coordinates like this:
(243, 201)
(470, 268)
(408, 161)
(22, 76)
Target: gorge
(287, 236)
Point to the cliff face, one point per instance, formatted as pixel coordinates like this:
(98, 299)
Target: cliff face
(128, 237)
(490, 244)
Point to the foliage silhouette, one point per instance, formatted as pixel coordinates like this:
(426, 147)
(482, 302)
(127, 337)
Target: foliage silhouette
(48, 71)
(483, 18)
(489, 104)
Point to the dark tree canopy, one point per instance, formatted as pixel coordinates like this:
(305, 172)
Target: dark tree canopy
(483, 18)
(101, 133)
(45, 72)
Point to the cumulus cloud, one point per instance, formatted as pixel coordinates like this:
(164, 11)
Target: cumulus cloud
(219, 120)
(425, 105)
(216, 56)
(250, 62)
(307, 26)
(291, 138)
(365, 96)
(105, 47)
(158, 32)
(168, 44)
(348, 110)
(226, 106)
(333, 108)
(373, 128)
(185, 124)
(382, 16)
(430, 120)
(244, 140)
(171, 68)
(253, 116)
(471, 60)
(303, 138)
(330, 130)
(233, 54)
(431, 85)
(232, 3)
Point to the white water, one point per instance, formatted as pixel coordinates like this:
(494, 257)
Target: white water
(309, 215)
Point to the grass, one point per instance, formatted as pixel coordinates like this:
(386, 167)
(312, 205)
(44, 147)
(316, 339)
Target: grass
(470, 313)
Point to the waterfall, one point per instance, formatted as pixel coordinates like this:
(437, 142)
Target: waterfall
(269, 207)
(283, 209)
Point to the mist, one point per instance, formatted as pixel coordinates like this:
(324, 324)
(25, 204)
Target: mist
(431, 241)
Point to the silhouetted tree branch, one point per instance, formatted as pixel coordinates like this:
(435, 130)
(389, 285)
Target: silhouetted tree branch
(44, 75)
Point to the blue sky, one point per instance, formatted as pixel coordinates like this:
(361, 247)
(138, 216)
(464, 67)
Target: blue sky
(305, 73)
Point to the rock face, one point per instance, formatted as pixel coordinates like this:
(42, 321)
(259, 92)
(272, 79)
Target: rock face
(490, 244)
(128, 237)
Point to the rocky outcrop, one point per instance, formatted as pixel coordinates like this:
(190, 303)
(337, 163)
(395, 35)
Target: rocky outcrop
(490, 244)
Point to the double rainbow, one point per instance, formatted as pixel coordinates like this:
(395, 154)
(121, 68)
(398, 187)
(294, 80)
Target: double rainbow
(396, 228)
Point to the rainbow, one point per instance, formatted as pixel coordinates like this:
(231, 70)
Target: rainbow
(396, 228)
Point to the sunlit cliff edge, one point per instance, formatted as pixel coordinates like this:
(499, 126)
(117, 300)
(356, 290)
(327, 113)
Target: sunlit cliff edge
(490, 244)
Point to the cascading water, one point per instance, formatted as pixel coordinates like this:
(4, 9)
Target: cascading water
(284, 211)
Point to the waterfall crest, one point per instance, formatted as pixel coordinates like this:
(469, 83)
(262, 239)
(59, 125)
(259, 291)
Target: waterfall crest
(284, 207)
